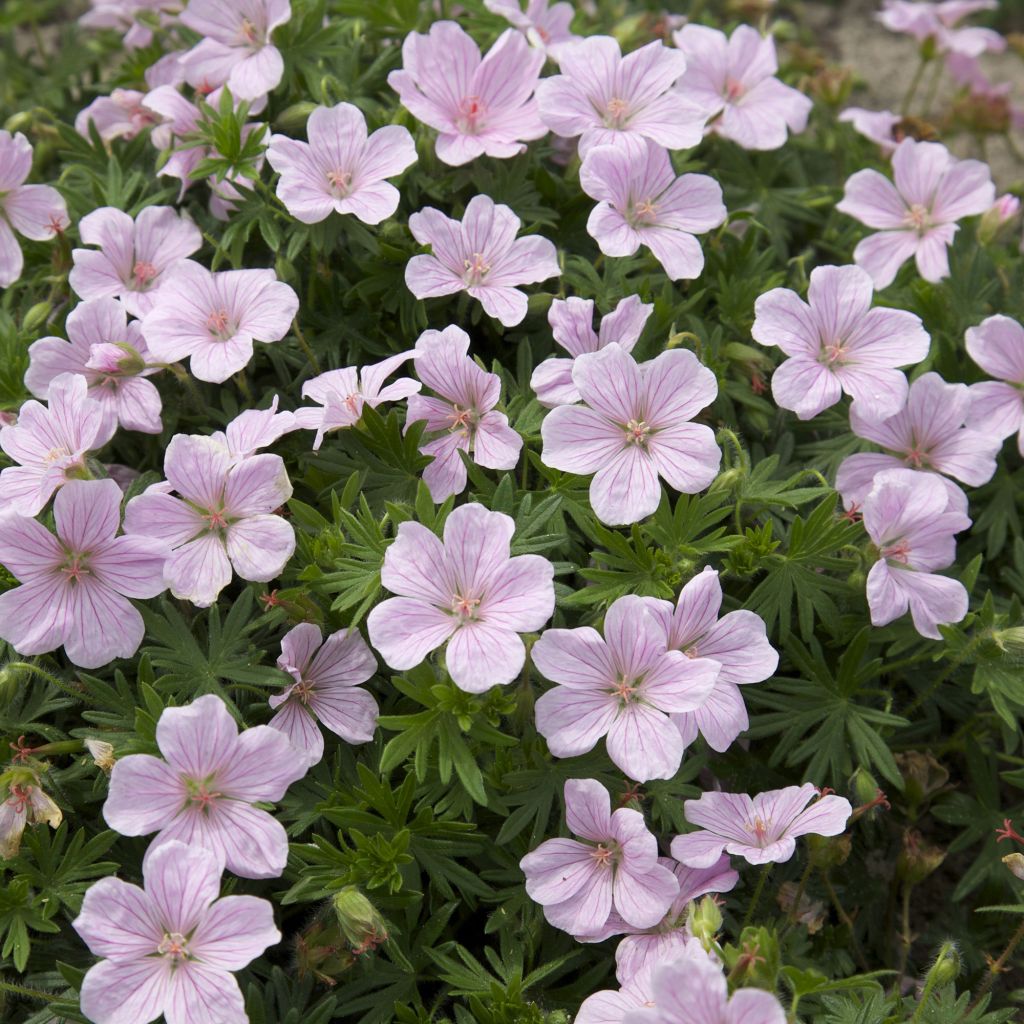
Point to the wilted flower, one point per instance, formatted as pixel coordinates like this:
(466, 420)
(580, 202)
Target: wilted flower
(341, 168)
(620, 687)
(75, 586)
(215, 317)
(761, 829)
(880, 126)
(136, 258)
(223, 519)
(35, 211)
(633, 429)
(466, 591)
(544, 24)
(205, 788)
(479, 255)
(25, 803)
(326, 675)
(101, 752)
(997, 406)
(614, 869)
(606, 98)
(908, 517)
(732, 83)
(463, 415)
(836, 343)
(111, 354)
(477, 105)
(800, 908)
(642, 202)
(50, 444)
(571, 323)
(171, 947)
(917, 213)
(359, 920)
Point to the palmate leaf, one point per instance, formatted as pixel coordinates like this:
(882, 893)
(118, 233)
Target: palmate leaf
(59, 870)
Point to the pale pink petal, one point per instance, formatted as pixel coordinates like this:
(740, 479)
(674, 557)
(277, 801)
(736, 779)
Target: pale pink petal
(260, 767)
(128, 992)
(144, 794)
(805, 386)
(195, 739)
(404, 631)
(882, 254)
(200, 993)
(118, 921)
(199, 570)
(480, 656)
(234, 932)
(627, 489)
(644, 744)
(573, 721)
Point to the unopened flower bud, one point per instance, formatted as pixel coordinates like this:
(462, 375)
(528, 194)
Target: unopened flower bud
(115, 359)
(102, 753)
(918, 859)
(1015, 862)
(923, 777)
(864, 786)
(293, 119)
(704, 920)
(360, 923)
(947, 965)
(36, 315)
(1001, 212)
(828, 852)
(1010, 640)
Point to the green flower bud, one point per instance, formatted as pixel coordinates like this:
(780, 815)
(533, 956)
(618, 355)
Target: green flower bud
(360, 923)
(705, 920)
(293, 119)
(37, 315)
(947, 965)
(918, 859)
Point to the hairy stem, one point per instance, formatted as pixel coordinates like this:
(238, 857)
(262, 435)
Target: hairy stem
(756, 898)
(996, 967)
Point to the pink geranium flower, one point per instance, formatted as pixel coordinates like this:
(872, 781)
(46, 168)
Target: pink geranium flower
(732, 84)
(463, 414)
(614, 869)
(937, 22)
(917, 213)
(642, 202)
(50, 445)
(610, 1006)
(236, 50)
(341, 168)
(121, 115)
(466, 591)
(204, 788)
(215, 317)
(325, 689)
(882, 127)
(928, 434)
(634, 428)
(477, 105)
(544, 24)
(621, 687)
(761, 829)
(255, 429)
(35, 211)
(695, 990)
(908, 517)
(75, 586)
(124, 16)
(343, 394)
(171, 947)
(223, 519)
(997, 406)
(642, 948)
(135, 257)
(480, 255)
(110, 353)
(737, 642)
(836, 344)
(606, 98)
(571, 323)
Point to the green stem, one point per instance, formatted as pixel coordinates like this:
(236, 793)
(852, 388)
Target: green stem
(912, 90)
(930, 981)
(968, 649)
(932, 89)
(906, 938)
(858, 954)
(49, 677)
(995, 968)
(184, 378)
(243, 385)
(28, 993)
(756, 898)
(306, 347)
(60, 747)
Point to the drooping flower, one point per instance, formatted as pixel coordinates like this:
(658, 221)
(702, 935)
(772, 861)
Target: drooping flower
(111, 354)
(204, 789)
(255, 429)
(997, 406)
(75, 586)
(236, 50)
(642, 202)
(605, 98)
(170, 948)
(341, 168)
(916, 214)
(571, 323)
(936, 22)
(327, 675)
(222, 520)
(50, 444)
(121, 115)
(909, 520)
(478, 105)
(466, 591)
(737, 642)
(463, 415)
(695, 990)
(732, 84)
(620, 687)
(480, 255)
(761, 829)
(634, 428)
(927, 434)
(544, 24)
(34, 211)
(215, 317)
(836, 344)
(342, 394)
(882, 127)
(136, 258)
(614, 869)
(25, 803)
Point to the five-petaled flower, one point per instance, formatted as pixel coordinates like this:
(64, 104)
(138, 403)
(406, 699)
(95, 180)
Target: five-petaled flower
(997, 406)
(544, 24)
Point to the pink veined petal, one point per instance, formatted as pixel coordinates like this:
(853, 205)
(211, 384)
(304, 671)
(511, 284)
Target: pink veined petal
(182, 883)
(698, 849)
(118, 921)
(825, 817)
(404, 630)
(199, 570)
(749, 1006)
(997, 409)
(557, 869)
(882, 254)
(257, 74)
(162, 517)
(415, 565)
(722, 813)
(203, 993)
(580, 440)
(678, 252)
(613, 234)
(259, 547)
(679, 683)
(686, 455)
(644, 744)
(103, 625)
(349, 713)
(11, 260)
(234, 931)
(578, 658)
(298, 724)
(198, 738)
(782, 318)
(27, 548)
(588, 909)
(720, 719)
(966, 190)
(145, 793)
(611, 383)
(446, 475)
(260, 767)
(634, 636)
(968, 456)
(126, 992)
(571, 323)
(627, 489)
(480, 656)
(520, 595)
(552, 383)
(738, 642)
(805, 386)
(507, 305)
(642, 899)
(696, 611)
(872, 199)
(573, 721)
(35, 211)
(426, 277)
(918, 170)
(36, 618)
(496, 445)
(997, 346)
(588, 810)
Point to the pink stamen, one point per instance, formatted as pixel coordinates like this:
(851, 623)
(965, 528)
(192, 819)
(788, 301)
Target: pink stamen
(917, 216)
(616, 112)
(734, 89)
(340, 182)
(465, 607)
(143, 273)
(216, 519)
(602, 855)
(218, 323)
(637, 432)
(476, 269)
(898, 552)
(471, 114)
(174, 945)
(75, 570)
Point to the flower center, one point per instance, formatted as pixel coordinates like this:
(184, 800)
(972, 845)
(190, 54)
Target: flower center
(76, 568)
(19, 798)
(56, 454)
(476, 269)
(616, 113)
(899, 552)
(625, 689)
(173, 945)
(201, 794)
(691, 651)
(734, 89)
(143, 274)
(216, 518)
(917, 217)
(249, 31)
(302, 691)
(219, 324)
(832, 352)
(471, 114)
(637, 432)
(464, 608)
(916, 458)
(644, 212)
(760, 830)
(605, 855)
(462, 420)
(340, 182)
